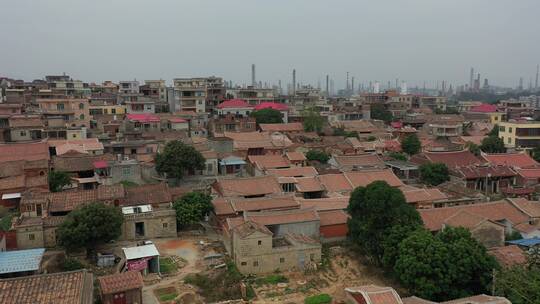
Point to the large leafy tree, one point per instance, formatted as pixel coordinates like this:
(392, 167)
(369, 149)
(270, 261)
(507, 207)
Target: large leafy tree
(519, 284)
(492, 144)
(495, 131)
(448, 265)
(318, 155)
(57, 180)
(374, 211)
(313, 122)
(411, 144)
(192, 207)
(267, 116)
(434, 173)
(378, 111)
(90, 225)
(178, 157)
(536, 154)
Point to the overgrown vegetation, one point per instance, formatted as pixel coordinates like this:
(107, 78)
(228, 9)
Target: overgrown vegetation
(267, 116)
(192, 207)
(411, 144)
(398, 156)
(58, 180)
(342, 132)
(313, 122)
(128, 184)
(434, 173)
(322, 298)
(272, 279)
(177, 158)
(492, 143)
(378, 111)
(72, 264)
(167, 265)
(5, 218)
(318, 155)
(223, 286)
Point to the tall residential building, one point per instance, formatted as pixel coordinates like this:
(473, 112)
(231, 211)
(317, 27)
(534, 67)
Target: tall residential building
(155, 89)
(128, 87)
(64, 85)
(252, 95)
(520, 134)
(199, 95)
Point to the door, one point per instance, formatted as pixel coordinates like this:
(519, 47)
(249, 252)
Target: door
(119, 298)
(139, 229)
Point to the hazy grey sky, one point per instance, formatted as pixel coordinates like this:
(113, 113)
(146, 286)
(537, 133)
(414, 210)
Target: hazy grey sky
(414, 40)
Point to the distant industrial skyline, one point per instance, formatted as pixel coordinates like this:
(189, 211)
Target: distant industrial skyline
(420, 41)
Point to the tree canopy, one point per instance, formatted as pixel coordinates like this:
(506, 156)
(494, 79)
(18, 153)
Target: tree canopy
(318, 155)
(267, 116)
(313, 122)
(492, 144)
(90, 225)
(434, 173)
(178, 157)
(192, 207)
(378, 111)
(375, 210)
(411, 144)
(449, 265)
(398, 156)
(494, 131)
(536, 154)
(57, 180)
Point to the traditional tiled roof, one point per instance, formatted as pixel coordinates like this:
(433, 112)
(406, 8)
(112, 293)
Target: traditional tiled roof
(87, 145)
(247, 228)
(308, 184)
(336, 182)
(361, 160)
(252, 186)
(234, 103)
(451, 159)
(479, 299)
(272, 105)
(495, 211)
(271, 161)
(295, 156)
(76, 163)
(477, 139)
(464, 219)
(325, 204)
(143, 117)
(282, 127)
(228, 206)
(24, 151)
(118, 282)
(69, 200)
(374, 294)
(148, 194)
(509, 256)
(531, 208)
(529, 173)
(484, 108)
(418, 195)
(474, 172)
(25, 121)
(333, 217)
(294, 172)
(59, 288)
(364, 178)
(518, 160)
(416, 300)
(282, 217)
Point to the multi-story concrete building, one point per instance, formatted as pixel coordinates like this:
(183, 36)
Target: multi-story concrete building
(128, 87)
(63, 114)
(155, 89)
(189, 95)
(251, 94)
(64, 85)
(520, 134)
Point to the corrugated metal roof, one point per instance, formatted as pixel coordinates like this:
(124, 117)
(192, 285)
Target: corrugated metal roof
(140, 252)
(20, 260)
(526, 242)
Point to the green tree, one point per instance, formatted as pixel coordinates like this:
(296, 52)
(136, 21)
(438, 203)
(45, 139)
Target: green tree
(90, 225)
(473, 148)
(495, 131)
(519, 284)
(411, 144)
(178, 157)
(57, 180)
(536, 154)
(374, 210)
(318, 155)
(434, 173)
(449, 265)
(391, 242)
(267, 116)
(192, 207)
(492, 144)
(398, 156)
(313, 122)
(378, 111)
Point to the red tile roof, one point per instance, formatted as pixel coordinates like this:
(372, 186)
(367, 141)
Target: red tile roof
(24, 151)
(326, 204)
(509, 255)
(464, 219)
(282, 127)
(234, 103)
(451, 159)
(294, 172)
(282, 217)
(270, 161)
(484, 108)
(479, 299)
(148, 194)
(251, 186)
(529, 173)
(59, 288)
(361, 160)
(333, 217)
(418, 195)
(295, 156)
(143, 117)
(118, 282)
(272, 105)
(518, 160)
(495, 211)
(474, 172)
(531, 208)
(308, 184)
(374, 294)
(335, 182)
(364, 178)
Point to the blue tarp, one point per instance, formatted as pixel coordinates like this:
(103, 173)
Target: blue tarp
(526, 242)
(21, 260)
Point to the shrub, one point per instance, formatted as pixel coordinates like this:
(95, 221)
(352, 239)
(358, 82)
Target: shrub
(72, 264)
(317, 155)
(322, 298)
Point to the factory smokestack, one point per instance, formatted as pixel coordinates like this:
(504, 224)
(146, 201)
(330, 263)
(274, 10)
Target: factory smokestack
(253, 79)
(327, 83)
(294, 82)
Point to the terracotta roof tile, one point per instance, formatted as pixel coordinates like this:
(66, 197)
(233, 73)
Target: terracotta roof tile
(361, 160)
(248, 227)
(374, 294)
(76, 163)
(70, 200)
(264, 162)
(252, 186)
(418, 195)
(148, 194)
(474, 172)
(452, 159)
(464, 219)
(531, 208)
(333, 217)
(294, 172)
(509, 255)
(364, 178)
(118, 282)
(263, 203)
(308, 184)
(335, 182)
(295, 156)
(518, 160)
(59, 288)
(282, 127)
(24, 151)
(326, 204)
(479, 299)
(234, 103)
(282, 217)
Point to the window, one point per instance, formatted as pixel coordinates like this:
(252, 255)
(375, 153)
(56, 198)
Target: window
(209, 168)
(256, 263)
(259, 242)
(502, 128)
(282, 260)
(81, 106)
(312, 257)
(81, 116)
(31, 237)
(510, 129)
(126, 171)
(509, 140)
(23, 133)
(74, 135)
(113, 111)
(165, 225)
(243, 263)
(60, 106)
